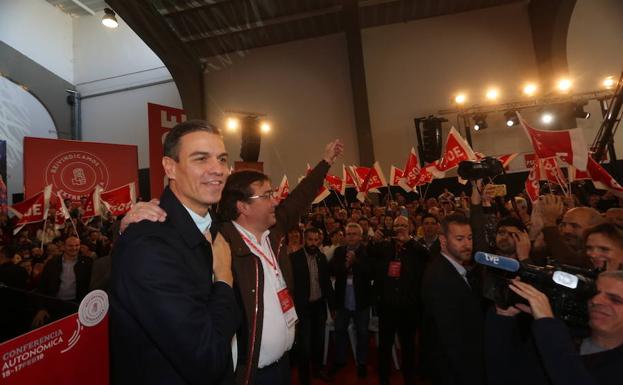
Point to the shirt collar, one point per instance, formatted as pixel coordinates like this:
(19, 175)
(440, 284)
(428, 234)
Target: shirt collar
(249, 235)
(202, 223)
(459, 268)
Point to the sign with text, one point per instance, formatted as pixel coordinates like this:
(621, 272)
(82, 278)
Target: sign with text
(70, 351)
(74, 168)
(161, 119)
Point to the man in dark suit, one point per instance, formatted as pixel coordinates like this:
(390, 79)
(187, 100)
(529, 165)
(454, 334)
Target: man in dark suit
(353, 272)
(453, 319)
(397, 284)
(312, 294)
(65, 277)
(173, 308)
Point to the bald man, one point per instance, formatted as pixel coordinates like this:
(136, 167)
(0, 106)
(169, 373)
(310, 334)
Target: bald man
(565, 241)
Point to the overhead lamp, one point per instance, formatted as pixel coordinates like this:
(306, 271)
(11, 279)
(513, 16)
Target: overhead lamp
(564, 85)
(547, 118)
(480, 122)
(579, 112)
(609, 82)
(232, 124)
(460, 99)
(492, 94)
(265, 127)
(511, 118)
(530, 89)
(109, 20)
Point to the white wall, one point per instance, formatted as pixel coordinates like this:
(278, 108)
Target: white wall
(41, 32)
(107, 62)
(593, 52)
(413, 69)
(304, 87)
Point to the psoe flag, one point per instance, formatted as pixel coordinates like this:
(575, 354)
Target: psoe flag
(33, 209)
(119, 200)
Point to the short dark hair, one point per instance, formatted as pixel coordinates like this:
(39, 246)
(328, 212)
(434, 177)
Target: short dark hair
(453, 219)
(172, 140)
(512, 222)
(429, 215)
(238, 188)
(311, 230)
(612, 231)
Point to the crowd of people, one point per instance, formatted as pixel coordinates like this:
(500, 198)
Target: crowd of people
(273, 274)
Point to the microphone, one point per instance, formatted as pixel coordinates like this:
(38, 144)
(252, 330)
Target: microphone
(497, 261)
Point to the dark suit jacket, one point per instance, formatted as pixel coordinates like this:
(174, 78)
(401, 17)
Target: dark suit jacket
(363, 272)
(453, 322)
(170, 324)
(300, 270)
(50, 280)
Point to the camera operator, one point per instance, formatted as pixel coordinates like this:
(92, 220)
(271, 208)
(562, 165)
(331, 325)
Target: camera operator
(553, 358)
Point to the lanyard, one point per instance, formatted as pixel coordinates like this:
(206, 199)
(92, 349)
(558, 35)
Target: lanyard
(272, 263)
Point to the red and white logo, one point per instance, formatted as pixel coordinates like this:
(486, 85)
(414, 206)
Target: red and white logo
(75, 173)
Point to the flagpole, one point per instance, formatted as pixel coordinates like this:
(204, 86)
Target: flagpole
(337, 195)
(426, 191)
(43, 231)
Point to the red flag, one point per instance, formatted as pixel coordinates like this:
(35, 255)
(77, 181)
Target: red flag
(412, 169)
(373, 180)
(456, 151)
(532, 183)
(575, 174)
(395, 175)
(322, 194)
(62, 213)
(359, 175)
(284, 188)
(550, 171)
(33, 209)
(334, 182)
(602, 180)
(347, 180)
(568, 145)
(507, 159)
(93, 207)
(119, 201)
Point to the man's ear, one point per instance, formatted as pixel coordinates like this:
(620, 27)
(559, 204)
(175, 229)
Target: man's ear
(242, 207)
(443, 241)
(169, 165)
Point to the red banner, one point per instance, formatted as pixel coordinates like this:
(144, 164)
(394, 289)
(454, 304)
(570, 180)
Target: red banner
(70, 351)
(284, 188)
(333, 182)
(119, 201)
(411, 171)
(395, 175)
(33, 209)
(161, 120)
(74, 168)
(457, 150)
(533, 188)
(529, 160)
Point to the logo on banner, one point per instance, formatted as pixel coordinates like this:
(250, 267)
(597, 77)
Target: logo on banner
(93, 308)
(75, 173)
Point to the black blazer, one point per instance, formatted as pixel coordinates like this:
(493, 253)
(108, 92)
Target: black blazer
(301, 279)
(170, 324)
(363, 270)
(50, 280)
(453, 323)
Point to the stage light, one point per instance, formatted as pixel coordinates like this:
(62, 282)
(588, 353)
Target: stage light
(109, 20)
(564, 85)
(609, 82)
(480, 122)
(547, 118)
(265, 127)
(529, 89)
(232, 124)
(460, 99)
(492, 94)
(511, 118)
(579, 112)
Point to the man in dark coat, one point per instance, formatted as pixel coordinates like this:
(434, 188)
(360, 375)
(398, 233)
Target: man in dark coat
(453, 319)
(171, 321)
(313, 293)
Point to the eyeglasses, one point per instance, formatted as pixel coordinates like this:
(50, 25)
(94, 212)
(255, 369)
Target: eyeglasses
(270, 194)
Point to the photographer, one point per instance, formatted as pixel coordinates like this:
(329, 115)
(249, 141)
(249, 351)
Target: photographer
(551, 356)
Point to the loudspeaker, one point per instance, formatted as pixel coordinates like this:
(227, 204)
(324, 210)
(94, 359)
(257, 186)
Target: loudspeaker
(431, 139)
(251, 139)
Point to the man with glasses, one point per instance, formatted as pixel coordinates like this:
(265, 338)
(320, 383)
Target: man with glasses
(254, 225)
(397, 282)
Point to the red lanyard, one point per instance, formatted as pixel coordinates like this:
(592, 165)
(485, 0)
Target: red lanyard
(251, 244)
